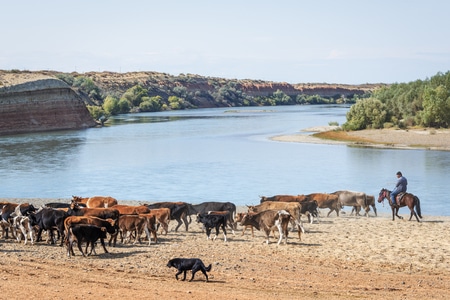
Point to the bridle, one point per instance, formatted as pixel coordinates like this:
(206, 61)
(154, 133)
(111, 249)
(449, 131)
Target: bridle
(383, 195)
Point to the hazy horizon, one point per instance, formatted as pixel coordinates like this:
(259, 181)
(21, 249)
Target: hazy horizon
(340, 42)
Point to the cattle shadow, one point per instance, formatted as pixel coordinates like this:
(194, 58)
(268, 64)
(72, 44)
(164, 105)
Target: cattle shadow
(432, 221)
(314, 231)
(119, 254)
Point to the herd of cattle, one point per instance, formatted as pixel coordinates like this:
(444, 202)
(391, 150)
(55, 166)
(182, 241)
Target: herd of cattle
(87, 220)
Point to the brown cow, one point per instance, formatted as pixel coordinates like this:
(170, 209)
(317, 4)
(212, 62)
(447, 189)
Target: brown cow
(283, 198)
(325, 200)
(267, 220)
(178, 212)
(131, 209)
(137, 224)
(96, 201)
(293, 208)
(238, 219)
(162, 216)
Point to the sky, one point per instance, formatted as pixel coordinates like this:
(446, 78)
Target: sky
(314, 41)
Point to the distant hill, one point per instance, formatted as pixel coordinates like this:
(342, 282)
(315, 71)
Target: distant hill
(196, 91)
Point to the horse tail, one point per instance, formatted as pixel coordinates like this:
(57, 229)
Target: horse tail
(418, 210)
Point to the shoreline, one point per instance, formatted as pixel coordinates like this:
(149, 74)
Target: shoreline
(345, 212)
(410, 139)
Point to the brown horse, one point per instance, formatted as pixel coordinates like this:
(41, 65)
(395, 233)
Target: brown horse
(407, 200)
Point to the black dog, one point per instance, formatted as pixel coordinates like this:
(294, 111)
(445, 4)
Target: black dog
(185, 264)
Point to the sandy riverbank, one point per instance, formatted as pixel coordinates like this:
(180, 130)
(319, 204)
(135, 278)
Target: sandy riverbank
(338, 258)
(427, 138)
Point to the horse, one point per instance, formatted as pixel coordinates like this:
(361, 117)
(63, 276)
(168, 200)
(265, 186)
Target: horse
(407, 200)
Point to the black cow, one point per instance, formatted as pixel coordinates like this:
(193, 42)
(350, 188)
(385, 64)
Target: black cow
(102, 213)
(85, 233)
(61, 205)
(213, 221)
(205, 207)
(49, 219)
(178, 212)
(310, 209)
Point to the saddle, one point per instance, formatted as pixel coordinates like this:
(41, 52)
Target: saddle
(399, 197)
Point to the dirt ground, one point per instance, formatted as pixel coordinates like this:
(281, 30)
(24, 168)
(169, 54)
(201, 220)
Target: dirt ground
(342, 257)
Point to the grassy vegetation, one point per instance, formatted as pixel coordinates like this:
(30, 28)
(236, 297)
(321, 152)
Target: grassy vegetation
(340, 135)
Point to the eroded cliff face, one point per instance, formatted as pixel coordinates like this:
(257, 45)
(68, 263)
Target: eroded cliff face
(40, 104)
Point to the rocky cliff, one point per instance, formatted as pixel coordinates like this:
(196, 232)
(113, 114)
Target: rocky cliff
(39, 103)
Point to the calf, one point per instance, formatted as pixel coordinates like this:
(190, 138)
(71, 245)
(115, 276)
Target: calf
(213, 221)
(227, 214)
(293, 208)
(370, 202)
(110, 225)
(49, 219)
(178, 212)
(268, 219)
(136, 223)
(23, 228)
(103, 213)
(9, 211)
(238, 219)
(310, 209)
(88, 233)
(162, 217)
(204, 207)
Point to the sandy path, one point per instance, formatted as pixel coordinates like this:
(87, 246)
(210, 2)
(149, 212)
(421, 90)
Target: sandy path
(432, 139)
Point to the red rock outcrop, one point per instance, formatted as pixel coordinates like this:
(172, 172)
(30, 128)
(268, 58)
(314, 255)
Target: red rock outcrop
(40, 104)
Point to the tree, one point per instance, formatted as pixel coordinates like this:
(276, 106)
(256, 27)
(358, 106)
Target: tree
(134, 95)
(151, 103)
(111, 105)
(436, 107)
(369, 113)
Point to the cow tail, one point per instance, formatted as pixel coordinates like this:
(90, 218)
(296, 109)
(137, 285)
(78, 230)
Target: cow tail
(418, 209)
(208, 268)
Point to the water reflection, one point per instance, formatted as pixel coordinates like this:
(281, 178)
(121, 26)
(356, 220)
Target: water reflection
(40, 151)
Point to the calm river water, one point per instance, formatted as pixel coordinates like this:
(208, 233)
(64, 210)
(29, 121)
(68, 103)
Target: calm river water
(221, 154)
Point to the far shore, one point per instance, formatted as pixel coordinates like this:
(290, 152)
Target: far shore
(426, 138)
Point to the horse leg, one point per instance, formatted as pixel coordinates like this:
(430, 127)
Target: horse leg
(396, 213)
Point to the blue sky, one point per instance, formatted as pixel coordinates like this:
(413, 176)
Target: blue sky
(350, 42)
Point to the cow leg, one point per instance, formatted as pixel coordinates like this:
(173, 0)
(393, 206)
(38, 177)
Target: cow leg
(217, 232)
(224, 233)
(185, 220)
(24, 232)
(102, 241)
(179, 224)
(280, 231)
(208, 233)
(267, 232)
(374, 210)
(79, 248)
(147, 233)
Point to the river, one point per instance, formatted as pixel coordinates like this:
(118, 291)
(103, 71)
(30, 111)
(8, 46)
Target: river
(221, 154)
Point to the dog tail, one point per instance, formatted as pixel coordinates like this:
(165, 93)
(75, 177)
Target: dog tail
(208, 268)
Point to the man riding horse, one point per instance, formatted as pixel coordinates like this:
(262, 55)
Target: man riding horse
(400, 187)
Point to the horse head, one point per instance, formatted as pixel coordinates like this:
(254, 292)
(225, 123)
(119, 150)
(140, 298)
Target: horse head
(384, 194)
